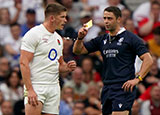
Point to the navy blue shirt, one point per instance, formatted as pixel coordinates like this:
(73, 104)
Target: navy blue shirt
(119, 53)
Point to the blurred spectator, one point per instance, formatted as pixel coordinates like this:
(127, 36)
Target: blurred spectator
(143, 11)
(12, 45)
(126, 14)
(129, 25)
(19, 107)
(1, 100)
(12, 89)
(98, 14)
(152, 106)
(78, 108)
(6, 3)
(30, 21)
(147, 24)
(4, 24)
(135, 108)
(90, 74)
(154, 74)
(67, 50)
(17, 12)
(154, 44)
(74, 9)
(88, 7)
(7, 108)
(92, 103)
(77, 84)
(1, 51)
(93, 32)
(77, 112)
(66, 103)
(4, 68)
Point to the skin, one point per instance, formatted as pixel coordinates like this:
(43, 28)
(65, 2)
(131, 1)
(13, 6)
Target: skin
(112, 24)
(51, 23)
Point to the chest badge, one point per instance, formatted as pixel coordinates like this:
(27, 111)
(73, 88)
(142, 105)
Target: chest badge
(120, 41)
(104, 41)
(59, 43)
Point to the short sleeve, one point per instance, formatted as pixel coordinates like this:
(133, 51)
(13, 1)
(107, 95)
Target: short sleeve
(29, 42)
(138, 45)
(93, 45)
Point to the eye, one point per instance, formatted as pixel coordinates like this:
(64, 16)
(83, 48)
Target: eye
(109, 18)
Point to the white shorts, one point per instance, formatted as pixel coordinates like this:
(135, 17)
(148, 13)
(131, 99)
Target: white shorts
(49, 95)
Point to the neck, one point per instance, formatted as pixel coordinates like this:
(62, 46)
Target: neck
(49, 27)
(114, 32)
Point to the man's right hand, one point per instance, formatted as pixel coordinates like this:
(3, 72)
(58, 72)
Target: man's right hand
(82, 33)
(32, 97)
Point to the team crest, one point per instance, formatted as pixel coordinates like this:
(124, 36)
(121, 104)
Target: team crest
(59, 43)
(120, 41)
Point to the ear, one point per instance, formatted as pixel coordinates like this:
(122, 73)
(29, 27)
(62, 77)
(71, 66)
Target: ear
(52, 18)
(119, 20)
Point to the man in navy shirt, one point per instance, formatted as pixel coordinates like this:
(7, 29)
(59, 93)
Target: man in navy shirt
(118, 48)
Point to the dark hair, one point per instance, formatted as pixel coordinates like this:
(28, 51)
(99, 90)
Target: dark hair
(30, 11)
(10, 75)
(115, 10)
(156, 31)
(155, 3)
(54, 9)
(14, 24)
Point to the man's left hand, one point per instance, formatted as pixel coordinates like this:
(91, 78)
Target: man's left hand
(128, 85)
(71, 65)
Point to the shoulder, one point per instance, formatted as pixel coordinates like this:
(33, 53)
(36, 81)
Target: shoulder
(57, 35)
(34, 32)
(130, 35)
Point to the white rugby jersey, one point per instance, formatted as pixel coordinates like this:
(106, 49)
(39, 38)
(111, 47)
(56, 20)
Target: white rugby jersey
(47, 48)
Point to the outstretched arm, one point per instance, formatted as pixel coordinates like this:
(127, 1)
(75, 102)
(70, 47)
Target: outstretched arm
(78, 47)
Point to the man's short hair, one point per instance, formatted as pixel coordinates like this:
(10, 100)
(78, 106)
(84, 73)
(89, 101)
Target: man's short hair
(115, 10)
(54, 9)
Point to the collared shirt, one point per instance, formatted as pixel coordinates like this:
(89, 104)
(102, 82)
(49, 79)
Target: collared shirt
(118, 54)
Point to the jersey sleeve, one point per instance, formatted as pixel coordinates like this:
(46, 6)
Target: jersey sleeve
(29, 42)
(93, 45)
(138, 45)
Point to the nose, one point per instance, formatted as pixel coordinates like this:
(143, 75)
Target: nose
(65, 20)
(106, 21)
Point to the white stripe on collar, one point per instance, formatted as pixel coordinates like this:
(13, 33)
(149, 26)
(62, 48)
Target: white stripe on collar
(122, 29)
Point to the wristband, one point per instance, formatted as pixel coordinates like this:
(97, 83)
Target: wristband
(139, 77)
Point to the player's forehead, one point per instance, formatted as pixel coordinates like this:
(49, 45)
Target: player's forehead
(108, 14)
(64, 13)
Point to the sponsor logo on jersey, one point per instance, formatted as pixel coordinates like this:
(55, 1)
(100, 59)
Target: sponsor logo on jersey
(120, 105)
(45, 40)
(105, 41)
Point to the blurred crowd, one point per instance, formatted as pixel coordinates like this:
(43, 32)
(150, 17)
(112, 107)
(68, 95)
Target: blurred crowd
(80, 89)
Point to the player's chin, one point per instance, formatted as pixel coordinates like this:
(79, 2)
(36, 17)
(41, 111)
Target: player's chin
(107, 27)
(61, 27)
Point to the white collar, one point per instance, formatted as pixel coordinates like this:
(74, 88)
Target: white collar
(122, 29)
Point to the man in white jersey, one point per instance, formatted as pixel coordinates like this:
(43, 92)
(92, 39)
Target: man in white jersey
(41, 61)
